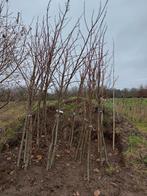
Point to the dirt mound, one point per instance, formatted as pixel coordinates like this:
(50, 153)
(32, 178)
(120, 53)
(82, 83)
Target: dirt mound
(67, 177)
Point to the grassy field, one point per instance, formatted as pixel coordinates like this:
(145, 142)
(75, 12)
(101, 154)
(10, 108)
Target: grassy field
(135, 109)
(11, 113)
(11, 120)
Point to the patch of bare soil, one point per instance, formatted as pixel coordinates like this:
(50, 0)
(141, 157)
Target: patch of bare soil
(67, 177)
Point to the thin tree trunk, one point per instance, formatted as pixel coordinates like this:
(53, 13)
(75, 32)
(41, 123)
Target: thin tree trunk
(22, 142)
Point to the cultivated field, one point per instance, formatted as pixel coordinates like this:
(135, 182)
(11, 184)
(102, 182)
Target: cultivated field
(130, 153)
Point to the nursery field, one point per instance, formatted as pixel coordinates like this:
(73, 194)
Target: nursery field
(125, 175)
(59, 136)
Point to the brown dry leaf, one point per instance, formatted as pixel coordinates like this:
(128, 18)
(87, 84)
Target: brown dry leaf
(8, 158)
(12, 172)
(96, 170)
(67, 151)
(76, 193)
(97, 193)
(39, 157)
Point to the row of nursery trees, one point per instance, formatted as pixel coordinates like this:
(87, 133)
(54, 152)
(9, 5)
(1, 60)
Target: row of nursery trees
(52, 57)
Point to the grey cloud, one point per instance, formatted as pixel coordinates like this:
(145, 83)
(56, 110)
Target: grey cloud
(127, 25)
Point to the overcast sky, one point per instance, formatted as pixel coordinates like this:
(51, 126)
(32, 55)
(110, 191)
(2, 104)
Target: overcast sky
(127, 25)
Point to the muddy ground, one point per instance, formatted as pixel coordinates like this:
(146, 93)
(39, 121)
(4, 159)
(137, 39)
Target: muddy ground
(68, 176)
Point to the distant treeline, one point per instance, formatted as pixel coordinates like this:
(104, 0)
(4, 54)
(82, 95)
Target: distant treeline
(20, 94)
(140, 92)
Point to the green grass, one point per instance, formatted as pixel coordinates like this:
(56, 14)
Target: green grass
(70, 107)
(10, 131)
(136, 141)
(135, 109)
(136, 152)
(11, 113)
(141, 126)
(11, 121)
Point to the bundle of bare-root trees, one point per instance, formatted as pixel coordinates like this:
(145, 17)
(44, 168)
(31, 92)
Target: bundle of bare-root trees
(53, 56)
